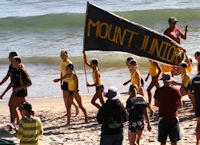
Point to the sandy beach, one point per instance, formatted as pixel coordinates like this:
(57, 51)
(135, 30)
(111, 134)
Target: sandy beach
(52, 110)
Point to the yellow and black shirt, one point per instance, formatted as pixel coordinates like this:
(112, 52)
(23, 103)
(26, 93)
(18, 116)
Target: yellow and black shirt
(20, 77)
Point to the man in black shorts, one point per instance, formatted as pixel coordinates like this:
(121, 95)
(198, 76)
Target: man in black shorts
(168, 100)
(195, 90)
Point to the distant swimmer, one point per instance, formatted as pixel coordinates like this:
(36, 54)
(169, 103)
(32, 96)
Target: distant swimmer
(154, 72)
(73, 91)
(63, 83)
(96, 76)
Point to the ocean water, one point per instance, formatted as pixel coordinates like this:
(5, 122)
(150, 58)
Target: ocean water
(39, 29)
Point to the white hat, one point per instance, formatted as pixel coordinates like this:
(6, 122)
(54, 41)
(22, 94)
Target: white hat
(112, 93)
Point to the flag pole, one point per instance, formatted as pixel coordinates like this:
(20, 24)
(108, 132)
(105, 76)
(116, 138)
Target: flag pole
(85, 72)
(84, 65)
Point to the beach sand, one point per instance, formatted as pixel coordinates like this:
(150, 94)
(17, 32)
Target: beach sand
(52, 110)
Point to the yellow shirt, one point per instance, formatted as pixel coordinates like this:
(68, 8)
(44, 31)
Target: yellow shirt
(166, 68)
(153, 69)
(99, 83)
(185, 79)
(63, 70)
(189, 69)
(71, 83)
(30, 129)
(134, 80)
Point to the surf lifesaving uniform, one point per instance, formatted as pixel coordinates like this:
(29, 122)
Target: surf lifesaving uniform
(97, 81)
(185, 77)
(71, 84)
(63, 70)
(134, 80)
(153, 69)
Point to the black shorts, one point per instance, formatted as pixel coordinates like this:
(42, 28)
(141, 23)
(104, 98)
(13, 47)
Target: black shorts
(99, 87)
(168, 127)
(65, 86)
(21, 93)
(71, 92)
(136, 126)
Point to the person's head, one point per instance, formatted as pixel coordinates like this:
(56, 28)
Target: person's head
(70, 68)
(172, 22)
(197, 56)
(132, 90)
(132, 65)
(167, 79)
(11, 55)
(112, 93)
(128, 60)
(183, 67)
(94, 63)
(64, 55)
(16, 61)
(26, 109)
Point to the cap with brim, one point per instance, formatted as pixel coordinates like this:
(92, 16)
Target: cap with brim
(26, 106)
(167, 78)
(172, 20)
(112, 94)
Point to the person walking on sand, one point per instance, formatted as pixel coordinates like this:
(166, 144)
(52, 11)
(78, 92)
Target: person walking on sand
(73, 91)
(112, 115)
(30, 127)
(195, 90)
(96, 76)
(135, 77)
(9, 74)
(20, 81)
(137, 109)
(168, 100)
(154, 72)
(63, 83)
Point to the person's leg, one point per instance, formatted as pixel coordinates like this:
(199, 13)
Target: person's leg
(174, 131)
(139, 134)
(12, 109)
(118, 139)
(151, 85)
(162, 131)
(69, 104)
(19, 102)
(106, 140)
(198, 131)
(99, 94)
(93, 101)
(131, 137)
(79, 101)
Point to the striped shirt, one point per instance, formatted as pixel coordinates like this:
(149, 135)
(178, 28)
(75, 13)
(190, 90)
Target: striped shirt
(29, 130)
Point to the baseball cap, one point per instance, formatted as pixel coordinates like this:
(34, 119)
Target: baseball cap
(172, 20)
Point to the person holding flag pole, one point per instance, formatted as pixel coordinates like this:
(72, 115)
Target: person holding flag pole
(97, 81)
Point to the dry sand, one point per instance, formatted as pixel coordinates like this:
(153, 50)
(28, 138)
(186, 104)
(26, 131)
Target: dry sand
(52, 110)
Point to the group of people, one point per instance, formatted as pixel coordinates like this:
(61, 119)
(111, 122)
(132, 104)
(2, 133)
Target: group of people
(111, 113)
